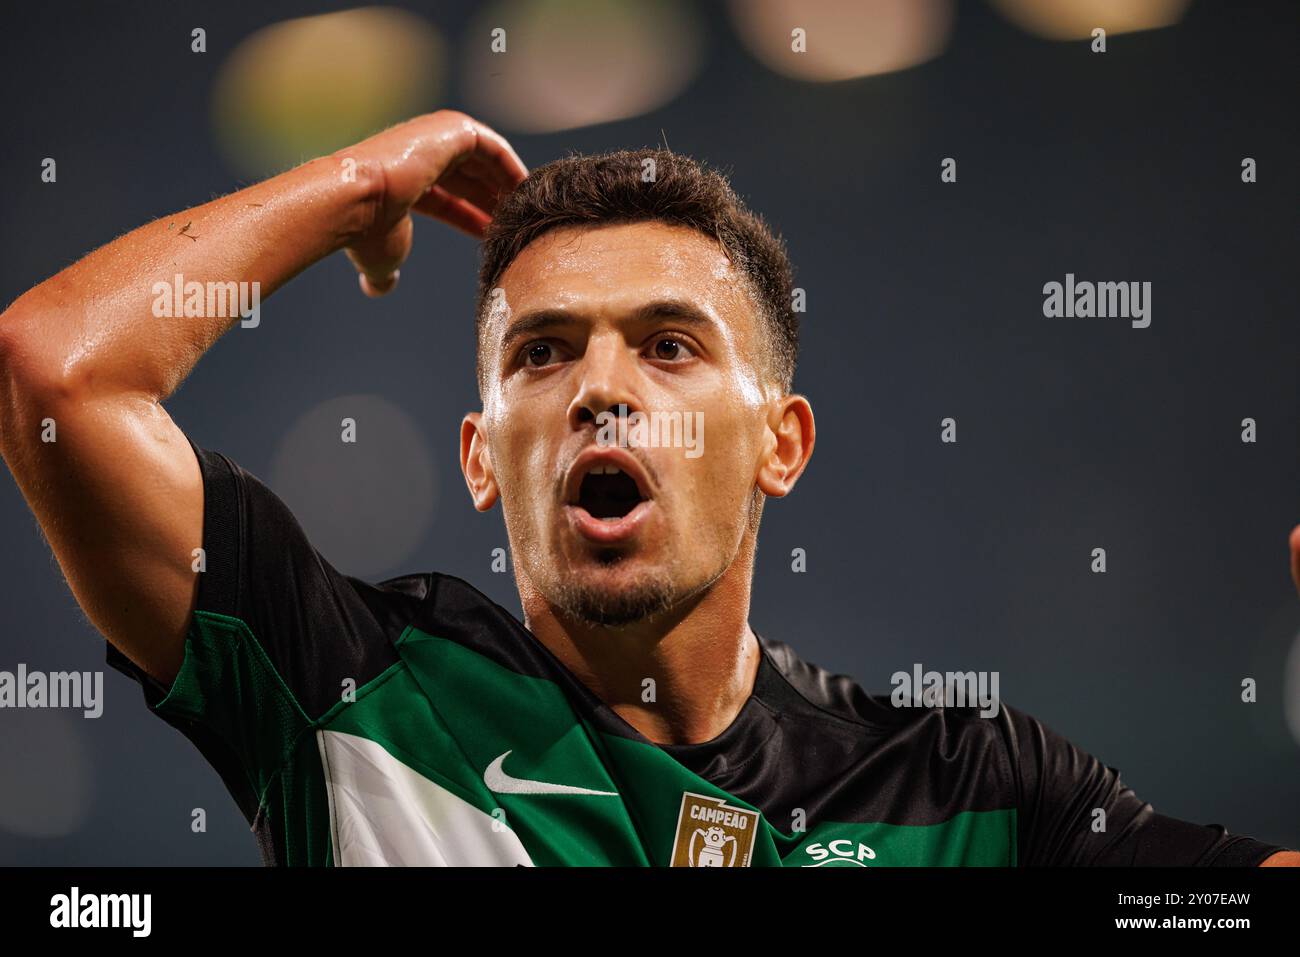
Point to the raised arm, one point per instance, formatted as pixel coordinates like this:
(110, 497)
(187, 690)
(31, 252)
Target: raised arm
(89, 355)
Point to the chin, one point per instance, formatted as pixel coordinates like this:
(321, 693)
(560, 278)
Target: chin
(613, 594)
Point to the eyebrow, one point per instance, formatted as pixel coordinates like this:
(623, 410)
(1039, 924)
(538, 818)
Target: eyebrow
(531, 323)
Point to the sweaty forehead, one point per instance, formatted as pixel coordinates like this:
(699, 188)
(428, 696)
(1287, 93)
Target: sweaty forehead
(619, 267)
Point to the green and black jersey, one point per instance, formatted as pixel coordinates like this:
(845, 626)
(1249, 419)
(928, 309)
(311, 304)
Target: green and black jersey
(416, 722)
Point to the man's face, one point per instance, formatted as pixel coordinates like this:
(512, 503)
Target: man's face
(648, 316)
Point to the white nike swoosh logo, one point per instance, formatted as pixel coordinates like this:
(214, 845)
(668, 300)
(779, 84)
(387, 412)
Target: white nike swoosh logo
(497, 780)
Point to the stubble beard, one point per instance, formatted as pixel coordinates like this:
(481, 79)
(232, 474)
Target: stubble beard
(647, 596)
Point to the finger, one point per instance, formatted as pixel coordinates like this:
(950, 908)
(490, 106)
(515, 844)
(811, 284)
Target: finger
(494, 178)
(373, 290)
(457, 212)
(418, 153)
(374, 280)
(1295, 557)
(503, 163)
(378, 258)
(464, 184)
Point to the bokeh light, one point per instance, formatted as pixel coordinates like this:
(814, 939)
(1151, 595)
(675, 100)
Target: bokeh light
(843, 39)
(47, 776)
(570, 64)
(1076, 19)
(365, 505)
(302, 88)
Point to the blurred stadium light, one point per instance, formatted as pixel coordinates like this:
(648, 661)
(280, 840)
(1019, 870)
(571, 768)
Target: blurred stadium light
(49, 778)
(378, 504)
(555, 64)
(1076, 19)
(843, 39)
(304, 87)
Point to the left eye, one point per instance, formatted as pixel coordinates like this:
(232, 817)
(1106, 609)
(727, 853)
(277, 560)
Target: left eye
(669, 349)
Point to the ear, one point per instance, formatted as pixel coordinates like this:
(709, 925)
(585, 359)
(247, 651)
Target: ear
(476, 463)
(791, 434)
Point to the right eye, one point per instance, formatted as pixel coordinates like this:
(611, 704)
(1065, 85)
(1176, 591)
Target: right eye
(538, 354)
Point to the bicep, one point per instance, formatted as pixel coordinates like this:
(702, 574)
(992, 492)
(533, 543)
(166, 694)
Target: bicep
(117, 490)
(277, 636)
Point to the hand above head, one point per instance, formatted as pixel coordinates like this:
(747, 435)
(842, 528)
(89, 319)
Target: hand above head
(445, 165)
(96, 347)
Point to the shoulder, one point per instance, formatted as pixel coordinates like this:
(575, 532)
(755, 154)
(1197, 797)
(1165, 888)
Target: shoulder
(947, 731)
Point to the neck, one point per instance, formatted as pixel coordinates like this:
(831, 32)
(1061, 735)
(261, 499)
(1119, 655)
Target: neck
(701, 656)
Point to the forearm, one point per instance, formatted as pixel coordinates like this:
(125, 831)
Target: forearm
(110, 322)
(1282, 859)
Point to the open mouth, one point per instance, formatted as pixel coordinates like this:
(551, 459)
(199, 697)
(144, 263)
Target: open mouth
(608, 493)
(608, 496)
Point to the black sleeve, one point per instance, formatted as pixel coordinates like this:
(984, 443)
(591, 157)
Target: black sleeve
(275, 633)
(1062, 789)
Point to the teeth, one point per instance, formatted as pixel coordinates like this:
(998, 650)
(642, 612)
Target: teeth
(606, 470)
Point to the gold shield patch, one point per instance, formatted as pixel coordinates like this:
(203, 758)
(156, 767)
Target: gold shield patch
(713, 833)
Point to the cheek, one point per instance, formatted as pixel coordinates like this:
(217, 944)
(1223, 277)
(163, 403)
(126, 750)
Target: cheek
(721, 478)
(522, 469)
(512, 474)
(733, 436)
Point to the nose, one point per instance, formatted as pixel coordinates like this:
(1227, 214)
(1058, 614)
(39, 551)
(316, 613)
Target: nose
(607, 383)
